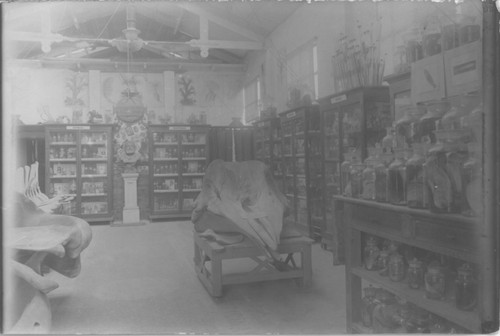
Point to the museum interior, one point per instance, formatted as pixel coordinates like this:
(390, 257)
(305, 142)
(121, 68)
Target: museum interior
(258, 167)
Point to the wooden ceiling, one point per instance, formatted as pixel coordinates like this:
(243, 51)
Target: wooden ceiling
(169, 33)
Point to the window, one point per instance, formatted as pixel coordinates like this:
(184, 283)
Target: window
(302, 69)
(252, 101)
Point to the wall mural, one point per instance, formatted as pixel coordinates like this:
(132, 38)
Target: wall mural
(208, 97)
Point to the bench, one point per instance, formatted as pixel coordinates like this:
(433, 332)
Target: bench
(214, 279)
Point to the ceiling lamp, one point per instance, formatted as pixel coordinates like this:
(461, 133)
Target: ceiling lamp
(132, 42)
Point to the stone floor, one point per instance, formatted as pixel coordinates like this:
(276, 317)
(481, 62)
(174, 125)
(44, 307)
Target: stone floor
(140, 280)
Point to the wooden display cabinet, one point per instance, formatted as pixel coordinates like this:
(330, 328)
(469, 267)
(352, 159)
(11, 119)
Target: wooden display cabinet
(302, 158)
(448, 235)
(353, 120)
(267, 146)
(79, 162)
(178, 159)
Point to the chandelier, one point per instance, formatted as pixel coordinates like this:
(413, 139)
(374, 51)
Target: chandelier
(132, 42)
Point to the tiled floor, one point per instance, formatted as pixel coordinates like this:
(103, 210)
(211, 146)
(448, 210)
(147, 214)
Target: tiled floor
(140, 280)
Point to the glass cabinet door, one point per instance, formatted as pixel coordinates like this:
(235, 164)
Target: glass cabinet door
(352, 117)
(165, 172)
(94, 172)
(63, 166)
(193, 160)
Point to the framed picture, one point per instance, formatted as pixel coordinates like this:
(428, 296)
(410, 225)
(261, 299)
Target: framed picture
(427, 79)
(463, 68)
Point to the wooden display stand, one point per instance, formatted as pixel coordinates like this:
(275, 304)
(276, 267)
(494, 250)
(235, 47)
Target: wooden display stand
(214, 279)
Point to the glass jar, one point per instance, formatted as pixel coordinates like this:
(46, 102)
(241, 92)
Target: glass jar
(396, 267)
(471, 172)
(416, 191)
(371, 253)
(356, 178)
(368, 302)
(383, 262)
(395, 180)
(452, 119)
(465, 288)
(415, 274)
(435, 285)
(437, 181)
(380, 181)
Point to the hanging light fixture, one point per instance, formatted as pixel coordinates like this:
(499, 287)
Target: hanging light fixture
(130, 108)
(132, 41)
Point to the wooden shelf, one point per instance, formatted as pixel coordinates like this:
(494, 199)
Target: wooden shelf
(445, 309)
(166, 159)
(94, 175)
(94, 195)
(166, 175)
(193, 174)
(94, 159)
(63, 176)
(63, 160)
(191, 190)
(63, 143)
(193, 144)
(165, 191)
(193, 158)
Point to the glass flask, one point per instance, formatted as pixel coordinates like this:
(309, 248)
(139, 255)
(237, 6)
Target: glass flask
(368, 302)
(435, 110)
(435, 285)
(416, 192)
(396, 267)
(465, 288)
(371, 253)
(395, 180)
(415, 274)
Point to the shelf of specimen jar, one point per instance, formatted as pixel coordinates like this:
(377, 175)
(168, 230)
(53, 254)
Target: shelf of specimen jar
(444, 308)
(94, 195)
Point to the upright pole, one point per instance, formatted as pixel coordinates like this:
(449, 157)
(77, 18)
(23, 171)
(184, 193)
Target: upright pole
(489, 234)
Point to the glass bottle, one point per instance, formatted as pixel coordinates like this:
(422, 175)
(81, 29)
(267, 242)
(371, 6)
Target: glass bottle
(380, 181)
(416, 192)
(435, 110)
(368, 302)
(415, 274)
(356, 178)
(395, 181)
(396, 267)
(465, 288)
(371, 253)
(368, 176)
(435, 282)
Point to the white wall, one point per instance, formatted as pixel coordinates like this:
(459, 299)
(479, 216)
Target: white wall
(329, 20)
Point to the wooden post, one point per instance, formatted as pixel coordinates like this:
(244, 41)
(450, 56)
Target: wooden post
(489, 234)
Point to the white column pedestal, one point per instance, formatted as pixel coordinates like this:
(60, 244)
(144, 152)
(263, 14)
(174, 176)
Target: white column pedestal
(131, 213)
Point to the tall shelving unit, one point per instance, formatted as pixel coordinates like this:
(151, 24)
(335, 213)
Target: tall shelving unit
(302, 160)
(178, 159)
(267, 146)
(79, 163)
(352, 121)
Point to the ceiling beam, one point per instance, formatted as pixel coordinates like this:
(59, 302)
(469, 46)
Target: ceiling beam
(146, 65)
(226, 56)
(178, 23)
(220, 44)
(220, 21)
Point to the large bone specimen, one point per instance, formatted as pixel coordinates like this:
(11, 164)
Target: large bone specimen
(36, 242)
(247, 199)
